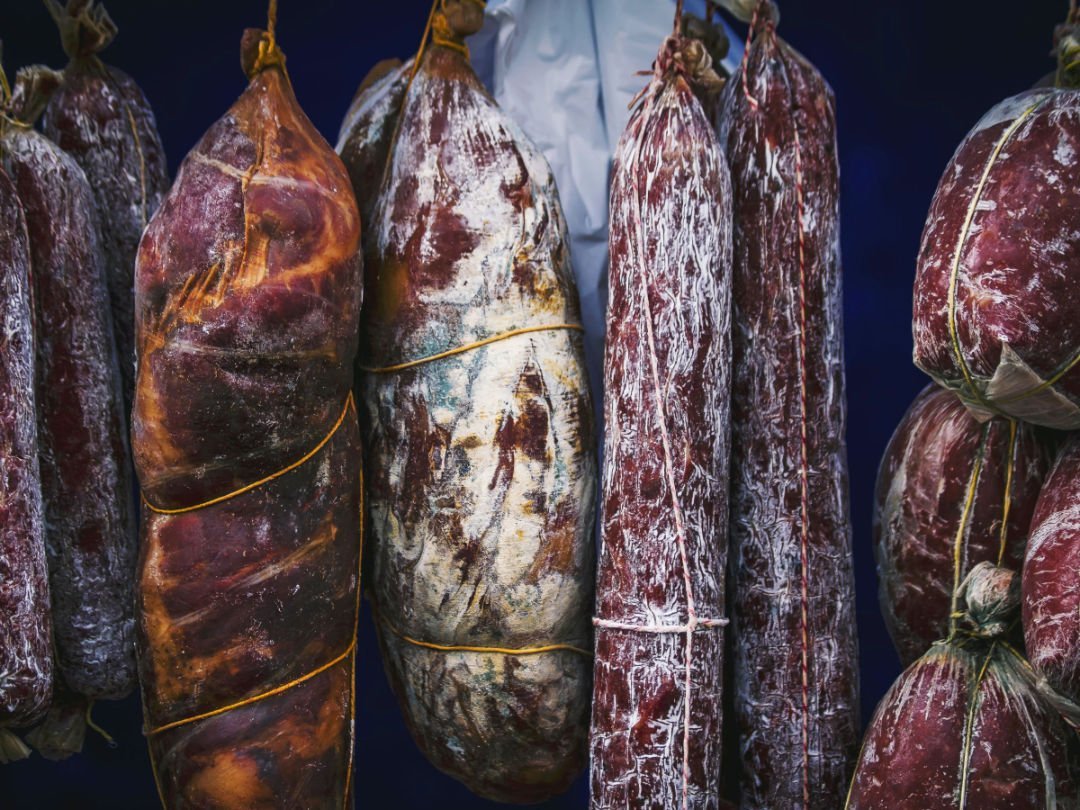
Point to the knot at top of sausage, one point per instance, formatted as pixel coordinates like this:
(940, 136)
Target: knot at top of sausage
(690, 59)
(455, 20)
(86, 28)
(31, 92)
(764, 11)
(258, 51)
(1067, 51)
(992, 594)
(713, 37)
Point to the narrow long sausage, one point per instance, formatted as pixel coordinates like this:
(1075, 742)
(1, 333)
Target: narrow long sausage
(25, 622)
(792, 584)
(658, 679)
(101, 117)
(85, 461)
(248, 289)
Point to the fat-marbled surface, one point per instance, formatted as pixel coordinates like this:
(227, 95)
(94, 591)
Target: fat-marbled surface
(248, 295)
(782, 153)
(1004, 232)
(950, 493)
(665, 484)
(1051, 577)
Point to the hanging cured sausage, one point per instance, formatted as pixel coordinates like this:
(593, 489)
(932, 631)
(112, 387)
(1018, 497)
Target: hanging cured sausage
(996, 305)
(792, 585)
(101, 118)
(657, 706)
(966, 725)
(951, 493)
(85, 461)
(248, 289)
(480, 442)
(25, 621)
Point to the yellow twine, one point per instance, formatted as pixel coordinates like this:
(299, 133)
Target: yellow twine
(470, 346)
(270, 55)
(349, 404)
(958, 545)
(442, 34)
(94, 726)
(1010, 459)
(478, 649)
(349, 652)
(954, 275)
(969, 727)
(277, 690)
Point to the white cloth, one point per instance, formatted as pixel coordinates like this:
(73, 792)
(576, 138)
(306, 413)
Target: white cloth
(566, 71)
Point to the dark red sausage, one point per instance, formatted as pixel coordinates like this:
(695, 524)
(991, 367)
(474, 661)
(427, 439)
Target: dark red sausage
(101, 117)
(657, 707)
(1051, 583)
(248, 291)
(792, 598)
(86, 483)
(25, 626)
(997, 309)
(951, 493)
(965, 726)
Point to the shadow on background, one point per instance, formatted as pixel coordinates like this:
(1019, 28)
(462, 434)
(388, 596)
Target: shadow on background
(910, 78)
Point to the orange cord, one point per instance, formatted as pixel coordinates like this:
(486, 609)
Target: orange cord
(470, 346)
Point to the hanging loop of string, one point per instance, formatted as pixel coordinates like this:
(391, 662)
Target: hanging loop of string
(269, 55)
(438, 8)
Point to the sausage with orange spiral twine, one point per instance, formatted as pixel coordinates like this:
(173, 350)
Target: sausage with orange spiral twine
(248, 289)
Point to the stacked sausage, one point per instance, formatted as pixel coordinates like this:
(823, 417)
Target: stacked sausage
(69, 480)
(969, 491)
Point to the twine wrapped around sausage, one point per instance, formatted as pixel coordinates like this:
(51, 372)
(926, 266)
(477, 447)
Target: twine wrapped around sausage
(951, 493)
(997, 312)
(657, 708)
(479, 435)
(967, 725)
(792, 587)
(248, 289)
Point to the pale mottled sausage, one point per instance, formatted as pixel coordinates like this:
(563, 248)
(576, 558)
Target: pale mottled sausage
(479, 438)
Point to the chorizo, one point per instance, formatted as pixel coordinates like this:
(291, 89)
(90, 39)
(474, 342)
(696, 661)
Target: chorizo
(951, 493)
(101, 117)
(248, 289)
(791, 597)
(479, 439)
(85, 461)
(658, 677)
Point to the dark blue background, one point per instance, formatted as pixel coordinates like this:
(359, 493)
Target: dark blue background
(910, 78)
